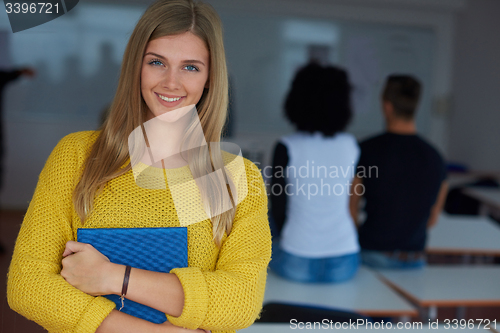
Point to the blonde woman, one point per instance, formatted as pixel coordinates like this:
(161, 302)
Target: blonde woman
(175, 58)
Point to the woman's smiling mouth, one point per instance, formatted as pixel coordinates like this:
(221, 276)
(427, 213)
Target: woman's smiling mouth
(168, 99)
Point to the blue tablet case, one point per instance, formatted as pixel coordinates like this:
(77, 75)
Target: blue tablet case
(153, 249)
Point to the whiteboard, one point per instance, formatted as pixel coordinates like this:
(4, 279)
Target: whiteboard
(263, 58)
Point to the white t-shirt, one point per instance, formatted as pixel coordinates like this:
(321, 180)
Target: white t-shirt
(319, 175)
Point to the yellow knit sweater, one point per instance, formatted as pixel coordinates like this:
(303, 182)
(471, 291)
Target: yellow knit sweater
(223, 287)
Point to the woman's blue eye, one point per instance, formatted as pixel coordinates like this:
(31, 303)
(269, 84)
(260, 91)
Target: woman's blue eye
(155, 62)
(191, 68)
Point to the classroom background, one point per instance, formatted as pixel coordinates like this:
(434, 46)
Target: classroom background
(452, 46)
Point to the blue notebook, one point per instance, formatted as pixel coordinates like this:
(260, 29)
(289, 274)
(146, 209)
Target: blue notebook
(153, 249)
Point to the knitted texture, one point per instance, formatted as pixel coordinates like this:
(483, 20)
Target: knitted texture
(223, 287)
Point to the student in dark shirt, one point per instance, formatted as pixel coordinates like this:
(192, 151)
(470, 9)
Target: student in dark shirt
(5, 78)
(403, 181)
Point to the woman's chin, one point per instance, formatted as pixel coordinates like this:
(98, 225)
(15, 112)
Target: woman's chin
(172, 115)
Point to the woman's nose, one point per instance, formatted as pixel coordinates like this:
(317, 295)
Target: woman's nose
(171, 80)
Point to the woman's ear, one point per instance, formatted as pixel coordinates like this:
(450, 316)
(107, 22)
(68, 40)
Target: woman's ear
(207, 84)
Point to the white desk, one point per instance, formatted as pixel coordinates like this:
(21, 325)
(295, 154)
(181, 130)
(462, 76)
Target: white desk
(364, 294)
(464, 235)
(286, 328)
(448, 285)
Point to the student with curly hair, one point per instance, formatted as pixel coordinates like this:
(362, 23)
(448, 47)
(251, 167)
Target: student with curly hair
(312, 172)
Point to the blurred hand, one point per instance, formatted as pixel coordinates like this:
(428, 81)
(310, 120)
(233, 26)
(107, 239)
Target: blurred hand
(27, 71)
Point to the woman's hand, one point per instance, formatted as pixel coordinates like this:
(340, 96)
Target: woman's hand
(90, 271)
(170, 328)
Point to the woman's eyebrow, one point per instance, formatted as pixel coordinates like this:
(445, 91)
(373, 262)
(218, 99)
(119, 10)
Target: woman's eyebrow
(156, 55)
(194, 61)
(184, 61)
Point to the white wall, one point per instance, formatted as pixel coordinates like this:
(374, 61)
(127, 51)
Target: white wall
(475, 118)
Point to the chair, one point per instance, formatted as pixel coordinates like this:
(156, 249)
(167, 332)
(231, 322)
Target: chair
(283, 313)
(459, 203)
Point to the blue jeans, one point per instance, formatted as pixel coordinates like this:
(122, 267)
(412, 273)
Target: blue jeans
(301, 269)
(377, 259)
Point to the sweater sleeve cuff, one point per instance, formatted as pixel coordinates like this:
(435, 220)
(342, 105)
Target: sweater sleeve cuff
(195, 298)
(99, 308)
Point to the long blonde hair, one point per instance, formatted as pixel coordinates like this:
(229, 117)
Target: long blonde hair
(109, 154)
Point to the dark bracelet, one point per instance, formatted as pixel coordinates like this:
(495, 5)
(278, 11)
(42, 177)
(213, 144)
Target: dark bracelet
(125, 285)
